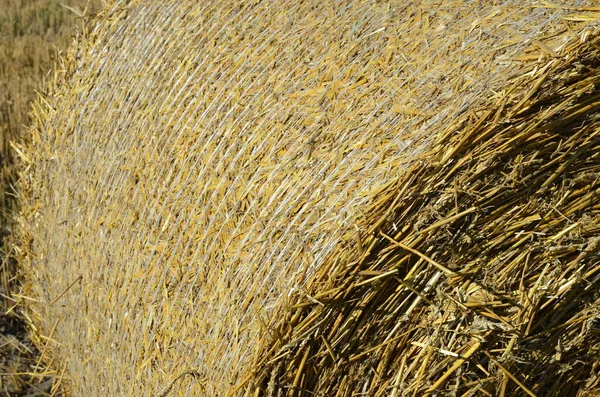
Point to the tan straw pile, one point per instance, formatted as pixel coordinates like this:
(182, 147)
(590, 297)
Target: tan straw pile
(319, 198)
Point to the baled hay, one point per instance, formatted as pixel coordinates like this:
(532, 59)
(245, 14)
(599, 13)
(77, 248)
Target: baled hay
(196, 177)
(486, 251)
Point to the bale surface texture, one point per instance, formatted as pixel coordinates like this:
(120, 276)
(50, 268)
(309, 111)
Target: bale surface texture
(318, 197)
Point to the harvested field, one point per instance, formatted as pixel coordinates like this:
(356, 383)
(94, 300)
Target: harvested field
(319, 198)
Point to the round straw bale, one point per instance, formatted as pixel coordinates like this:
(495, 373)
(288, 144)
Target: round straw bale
(316, 197)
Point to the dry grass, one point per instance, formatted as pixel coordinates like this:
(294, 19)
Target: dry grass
(291, 193)
(32, 33)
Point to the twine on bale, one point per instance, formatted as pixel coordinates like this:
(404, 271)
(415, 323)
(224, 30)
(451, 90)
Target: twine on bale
(485, 252)
(204, 167)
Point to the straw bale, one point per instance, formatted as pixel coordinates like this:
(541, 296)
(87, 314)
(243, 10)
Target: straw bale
(297, 197)
(485, 252)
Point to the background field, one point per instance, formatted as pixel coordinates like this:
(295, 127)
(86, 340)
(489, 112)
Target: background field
(33, 34)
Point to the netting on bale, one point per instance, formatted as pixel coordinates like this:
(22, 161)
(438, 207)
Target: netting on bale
(319, 198)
